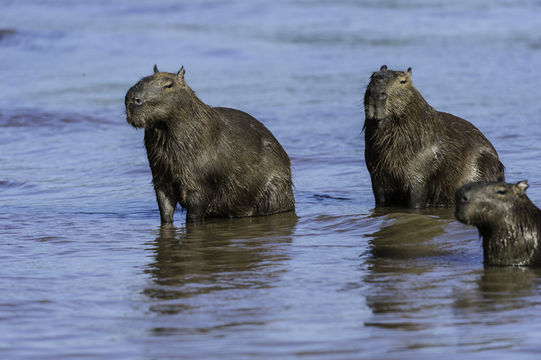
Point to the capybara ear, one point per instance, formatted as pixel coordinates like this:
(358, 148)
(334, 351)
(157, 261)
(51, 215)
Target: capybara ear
(156, 69)
(180, 74)
(409, 71)
(383, 68)
(522, 186)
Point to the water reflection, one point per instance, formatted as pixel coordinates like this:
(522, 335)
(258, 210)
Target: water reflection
(407, 234)
(497, 299)
(404, 268)
(500, 288)
(424, 266)
(224, 254)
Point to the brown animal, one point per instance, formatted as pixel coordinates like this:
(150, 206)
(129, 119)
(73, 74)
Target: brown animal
(214, 161)
(418, 156)
(508, 222)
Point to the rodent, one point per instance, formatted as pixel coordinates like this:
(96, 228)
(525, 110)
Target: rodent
(507, 220)
(418, 156)
(213, 161)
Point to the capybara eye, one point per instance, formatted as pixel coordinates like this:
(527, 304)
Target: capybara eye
(168, 86)
(403, 81)
(501, 191)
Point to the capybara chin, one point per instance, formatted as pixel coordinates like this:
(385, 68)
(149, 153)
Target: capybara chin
(508, 222)
(213, 161)
(418, 156)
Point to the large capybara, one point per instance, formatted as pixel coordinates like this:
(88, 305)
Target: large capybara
(508, 222)
(214, 161)
(418, 156)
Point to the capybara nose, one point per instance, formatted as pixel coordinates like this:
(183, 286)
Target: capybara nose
(383, 96)
(464, 197)
(137, 101)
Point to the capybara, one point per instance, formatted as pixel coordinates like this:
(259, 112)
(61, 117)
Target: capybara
(508, 222)
(214, 161)
(418, 156)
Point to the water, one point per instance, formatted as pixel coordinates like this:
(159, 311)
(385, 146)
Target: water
(88, 273)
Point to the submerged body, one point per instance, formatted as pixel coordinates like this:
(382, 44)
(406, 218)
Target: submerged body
(508, 222)
(213, 161)
(418, 156)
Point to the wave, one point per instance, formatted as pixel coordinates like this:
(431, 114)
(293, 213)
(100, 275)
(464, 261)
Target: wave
(37, 118)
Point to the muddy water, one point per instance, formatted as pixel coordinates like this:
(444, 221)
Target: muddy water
(87, 272)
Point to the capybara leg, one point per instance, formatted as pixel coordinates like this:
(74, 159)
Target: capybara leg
(192, 217)
(167, 205)
(379, 194)
(196, 212)
(418, 197)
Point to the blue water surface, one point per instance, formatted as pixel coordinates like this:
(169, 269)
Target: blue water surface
(86, 270)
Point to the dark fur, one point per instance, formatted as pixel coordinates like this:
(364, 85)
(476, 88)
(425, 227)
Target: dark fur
(508, 222)
(417, 156)
(215, 162)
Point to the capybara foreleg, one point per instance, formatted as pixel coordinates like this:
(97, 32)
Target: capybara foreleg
(167, 204)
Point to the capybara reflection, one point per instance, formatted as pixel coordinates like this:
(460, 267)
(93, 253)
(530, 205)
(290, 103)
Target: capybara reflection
(508, 222)
(214, 161)
(418, 156)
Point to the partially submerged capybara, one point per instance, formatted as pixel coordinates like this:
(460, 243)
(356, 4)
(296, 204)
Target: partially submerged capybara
(418, 156)
(214, 161)
(508, 222)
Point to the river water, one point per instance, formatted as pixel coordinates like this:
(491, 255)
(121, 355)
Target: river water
(87, 272)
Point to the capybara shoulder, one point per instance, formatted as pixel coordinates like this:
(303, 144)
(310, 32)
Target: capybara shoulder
(418, 156)
(508, 222)
(213, 161)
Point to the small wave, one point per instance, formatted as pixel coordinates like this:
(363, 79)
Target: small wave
(337, 38)
(32, 40)
(7, 33)
(6, 184)
(323, 197)
(37, 118)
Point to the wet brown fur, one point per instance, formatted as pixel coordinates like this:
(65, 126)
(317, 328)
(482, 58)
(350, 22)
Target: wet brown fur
(508, 222)
(214, 161)
(418, 156)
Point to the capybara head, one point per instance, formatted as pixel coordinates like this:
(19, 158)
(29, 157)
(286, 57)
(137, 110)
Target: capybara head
(507, 220)
(488, 204)
(154, 98)
(387, 93)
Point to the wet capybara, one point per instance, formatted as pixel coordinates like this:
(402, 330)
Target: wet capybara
(418, 156)
(214, 161)
(508, 222)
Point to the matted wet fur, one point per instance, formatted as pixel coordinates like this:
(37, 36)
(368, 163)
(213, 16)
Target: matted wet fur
(508, 222)
(418, 156)
(214, 161)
